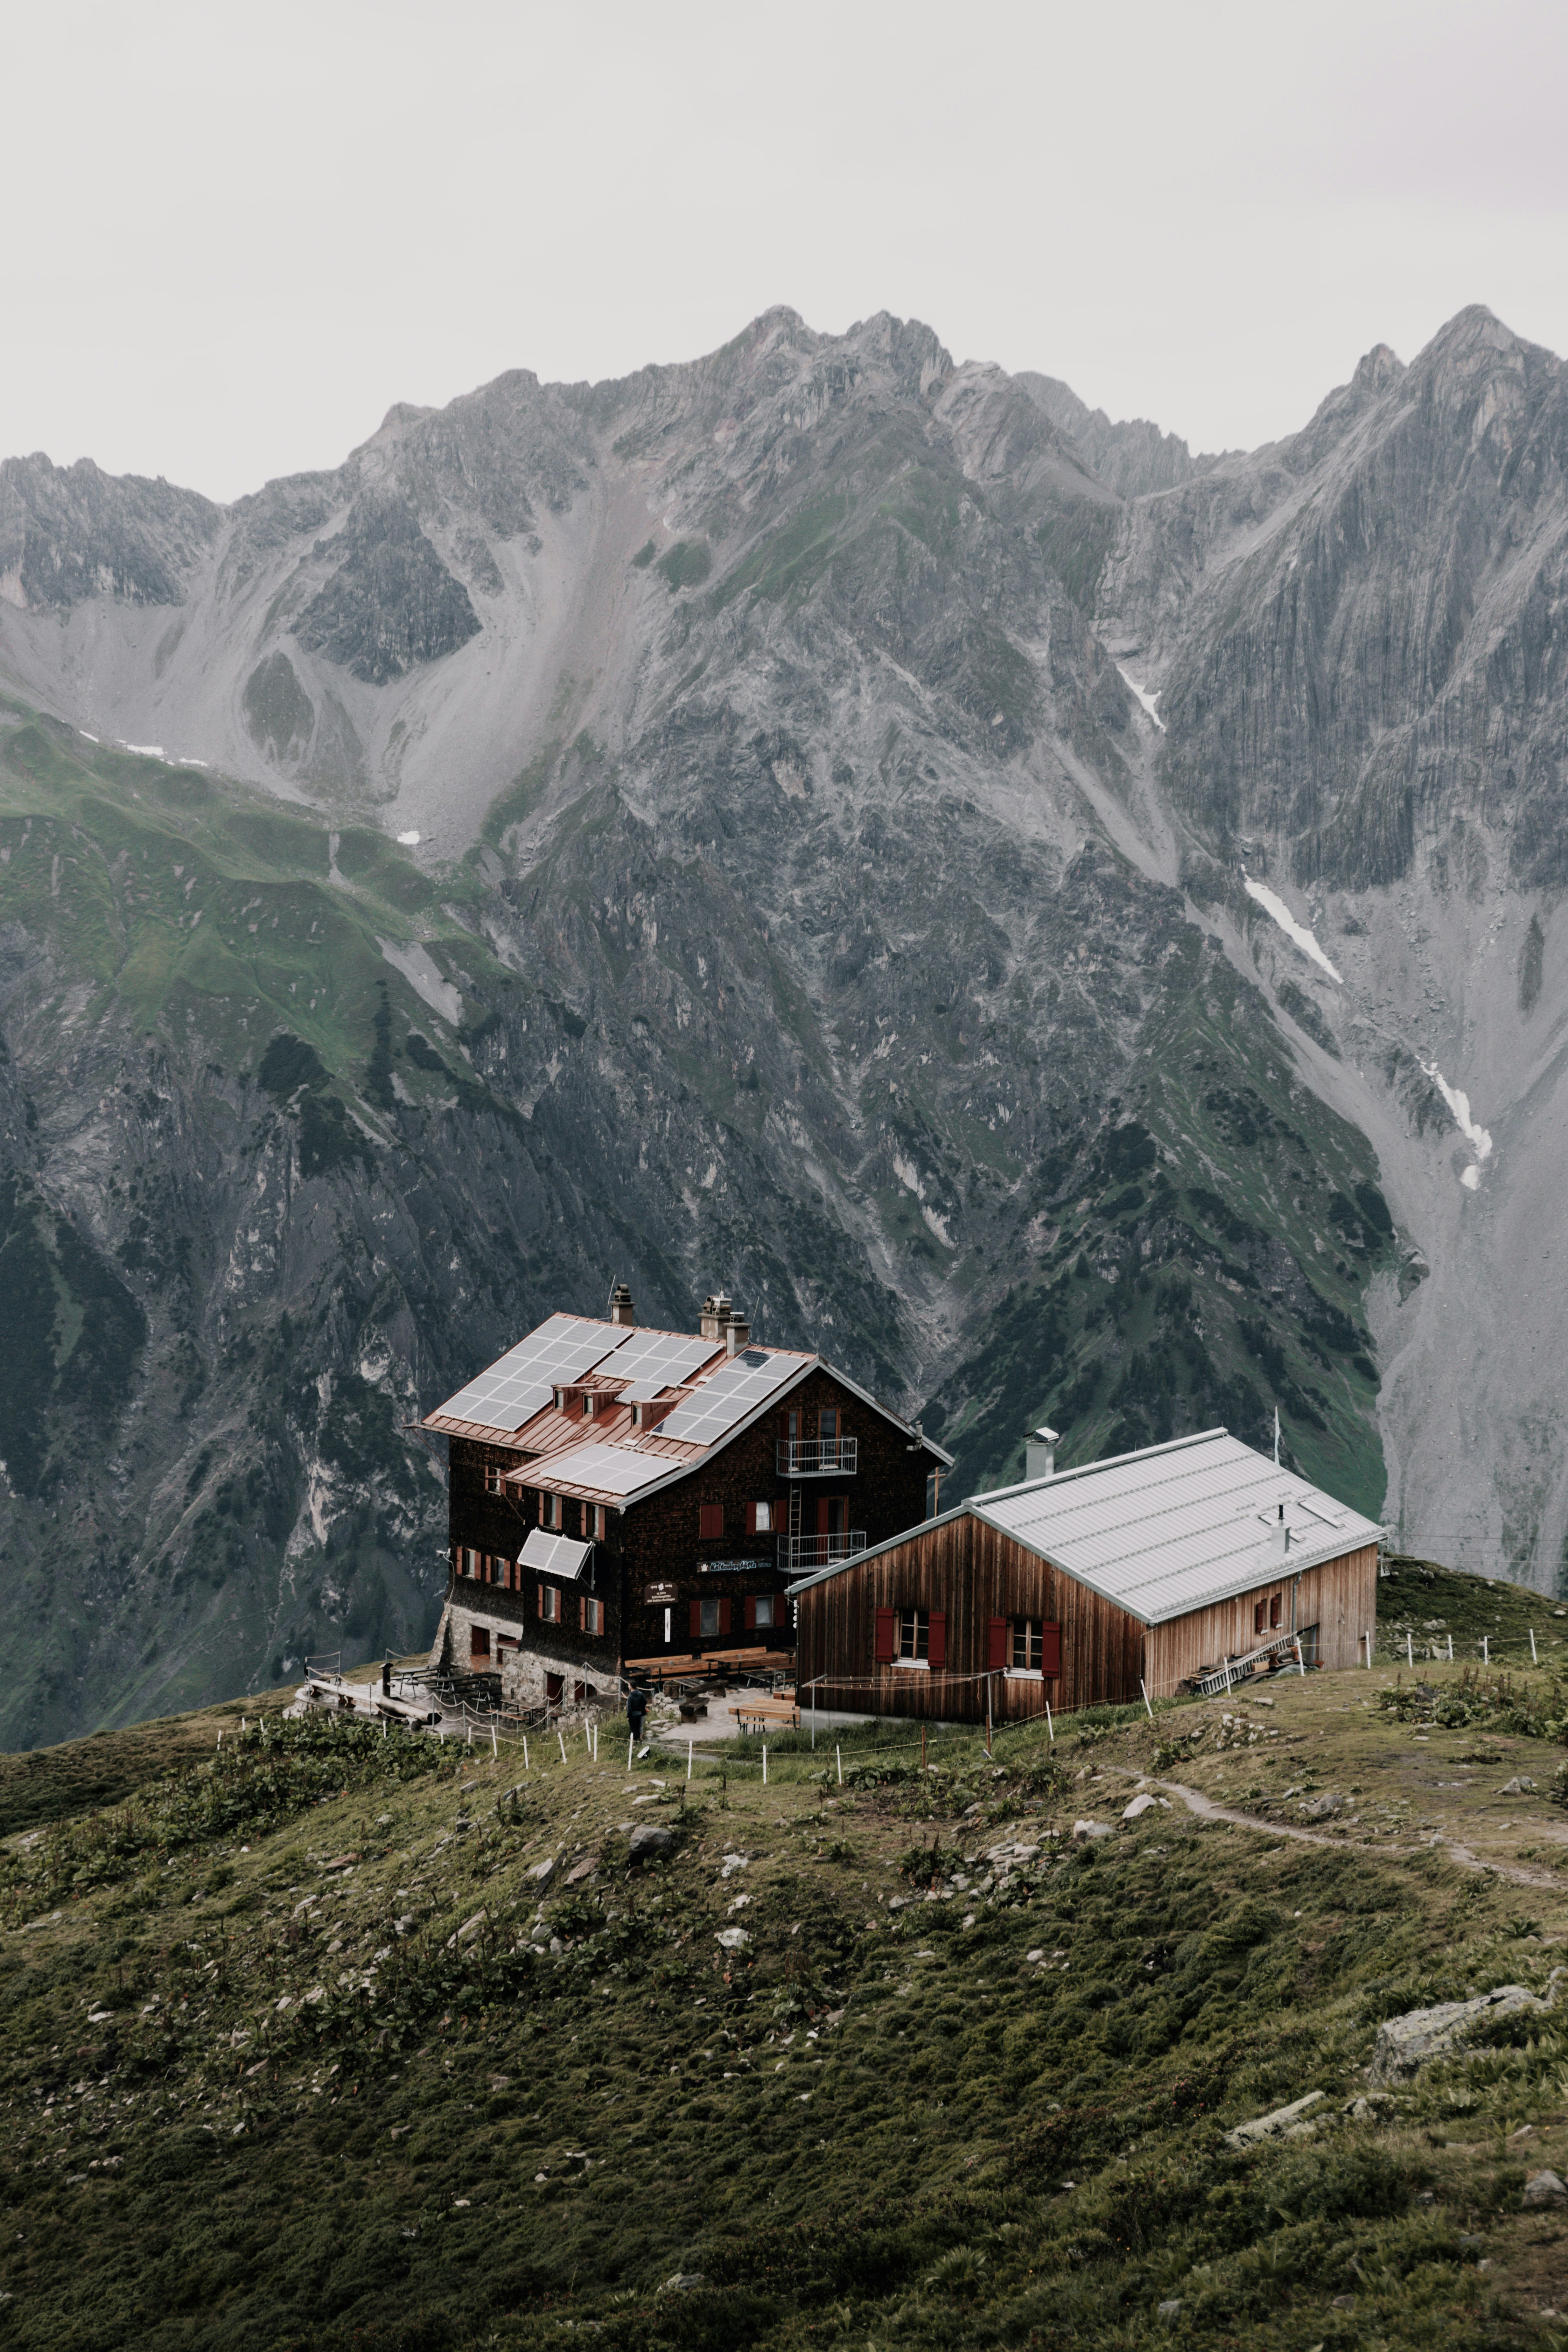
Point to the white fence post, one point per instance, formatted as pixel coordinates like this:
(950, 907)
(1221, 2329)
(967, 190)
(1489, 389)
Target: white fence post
(765, 1768)
(1050, 1727)
(1409, 1650)
(525, 1751)
(1533, 1659)
(560, 1735)
(631, 1743)
(1451, 1649)
(495, 1751)
(688, 1759)
(1144, 1688)
(1486, 1650)
(838, 1758)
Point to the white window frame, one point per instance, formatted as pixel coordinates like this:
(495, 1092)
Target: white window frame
(549, 1614)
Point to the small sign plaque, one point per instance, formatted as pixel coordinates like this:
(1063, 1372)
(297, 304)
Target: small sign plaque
(654, 1595)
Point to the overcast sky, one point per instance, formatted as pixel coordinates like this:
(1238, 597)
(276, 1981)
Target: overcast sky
(233, 238)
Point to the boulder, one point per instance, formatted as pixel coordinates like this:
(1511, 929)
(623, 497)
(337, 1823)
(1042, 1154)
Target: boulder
(1282, 2122)
(470, 1928)
(1137, 1808)
(1544, 2189)
(1319, 1808)
(1404, 2044)
(1091, 1828)
(647, 1843)
(733, 1940)
(542, 1872)
(1520, 1787)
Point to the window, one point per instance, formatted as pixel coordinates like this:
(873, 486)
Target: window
(479, 1641)
(912, 1637)
(492, 1478)
(1026, 1643)
(830, 1425)
(550, 1510)
(1257, 1613)
(591, 1614)
(470, 1564)
(598, 1522)
(1275, 1607)
(764, 1609)
(550, 1603)
(709, 1619)
(710, 1522)
(762, 1519)
(497, 1571)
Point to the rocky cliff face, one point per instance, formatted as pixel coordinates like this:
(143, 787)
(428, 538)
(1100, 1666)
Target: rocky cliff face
(795, 891)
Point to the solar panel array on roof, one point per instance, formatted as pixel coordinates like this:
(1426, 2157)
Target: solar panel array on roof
(515, 1388)
(660, 1359)
(735, 1390)
(603, 1468)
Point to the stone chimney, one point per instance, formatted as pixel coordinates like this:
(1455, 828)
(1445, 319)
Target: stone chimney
(621, 1307)
(737, 1332)
(714, 1316)
(1040, 1453)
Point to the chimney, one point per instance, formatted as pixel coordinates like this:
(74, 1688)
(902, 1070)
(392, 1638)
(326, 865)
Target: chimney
(1040, 1453)
(737, 1331)
(1278, 1537)
(714, 1316)
(621, 1307)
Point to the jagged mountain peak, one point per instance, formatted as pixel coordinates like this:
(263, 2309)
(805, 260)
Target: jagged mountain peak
(1377, 369)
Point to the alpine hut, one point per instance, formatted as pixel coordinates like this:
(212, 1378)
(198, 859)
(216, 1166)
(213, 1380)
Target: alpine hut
(1195, 1563)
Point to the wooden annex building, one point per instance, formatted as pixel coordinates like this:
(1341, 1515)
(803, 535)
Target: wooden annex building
(619, 1494)
(1089, 1586)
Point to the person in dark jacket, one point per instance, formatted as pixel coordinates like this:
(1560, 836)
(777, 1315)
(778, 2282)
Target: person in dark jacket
(636, 1712)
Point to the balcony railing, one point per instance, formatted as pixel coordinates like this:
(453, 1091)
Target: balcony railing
(817, 1457)
(798, 1555)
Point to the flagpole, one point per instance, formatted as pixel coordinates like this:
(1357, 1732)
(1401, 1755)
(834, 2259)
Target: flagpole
(1277, 1437)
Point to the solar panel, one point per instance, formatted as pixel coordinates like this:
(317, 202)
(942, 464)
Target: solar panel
(557, 1555)
(735, 1390)
(515, 1387)
(660, 1359)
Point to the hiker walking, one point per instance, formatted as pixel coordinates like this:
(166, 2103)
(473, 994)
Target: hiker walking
(636, 1712)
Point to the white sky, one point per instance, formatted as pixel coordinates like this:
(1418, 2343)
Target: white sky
(234, 237)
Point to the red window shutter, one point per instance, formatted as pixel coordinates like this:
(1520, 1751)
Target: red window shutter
(887, 1635)
(724, 1617)
(710, 1522)
(751, 1612)
(1274, 1611)
(1051, 1651)
(581, 1612)
(750, 1518)
(996, 1644)
(539, 1589)
(936, 1645)
(821, 1509)
(697, 1619)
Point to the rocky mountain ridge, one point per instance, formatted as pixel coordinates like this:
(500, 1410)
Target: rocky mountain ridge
(787, 820)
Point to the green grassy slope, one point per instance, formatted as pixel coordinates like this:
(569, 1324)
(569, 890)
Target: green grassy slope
(310, 2055)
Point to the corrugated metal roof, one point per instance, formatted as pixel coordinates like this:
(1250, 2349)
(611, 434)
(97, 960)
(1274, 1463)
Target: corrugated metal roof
(1170, 1529)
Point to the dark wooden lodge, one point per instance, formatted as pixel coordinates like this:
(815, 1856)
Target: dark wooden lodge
(621, 1494)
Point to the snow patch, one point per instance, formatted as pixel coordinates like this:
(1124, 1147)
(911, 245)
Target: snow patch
(408, 841)
(144, 750)
(85, 736)
(1275, 906)
(1475, 1135)
(1146, 700)
(183, 762)
(423, 977)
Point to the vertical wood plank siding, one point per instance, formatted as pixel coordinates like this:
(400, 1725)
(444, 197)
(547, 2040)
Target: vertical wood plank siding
(1340, 1599)
(973, 1573)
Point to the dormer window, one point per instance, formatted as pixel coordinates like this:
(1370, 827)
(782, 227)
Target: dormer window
(560, 1400)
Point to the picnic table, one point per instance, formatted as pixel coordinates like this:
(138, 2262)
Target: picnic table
(756, 1712)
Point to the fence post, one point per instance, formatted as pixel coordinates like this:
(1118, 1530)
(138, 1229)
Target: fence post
(494, 1749)
(468, 1723)
(1144, 1688)
(838, 1758)
(1451, 1649)
(1050, 1726)
(765, 1768)
(631, 1743)
(1533, 1659)
(1486, 1650)
(1410, 1651)
(987, 1715)
(1367, 1639)
(1301, 1661)
(688, 1746)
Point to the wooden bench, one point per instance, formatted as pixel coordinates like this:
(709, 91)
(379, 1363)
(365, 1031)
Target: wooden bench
(755, 1714)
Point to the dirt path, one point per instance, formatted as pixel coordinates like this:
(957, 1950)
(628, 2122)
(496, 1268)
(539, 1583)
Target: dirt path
(1206, 1810)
